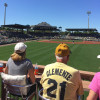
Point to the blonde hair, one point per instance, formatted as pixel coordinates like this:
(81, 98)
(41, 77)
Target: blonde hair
(18, 56)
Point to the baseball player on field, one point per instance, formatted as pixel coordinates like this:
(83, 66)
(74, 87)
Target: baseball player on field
(60, 81)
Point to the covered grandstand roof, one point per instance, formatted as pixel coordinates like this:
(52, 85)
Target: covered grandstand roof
(44, 26)
(18, 26)
(81, 29)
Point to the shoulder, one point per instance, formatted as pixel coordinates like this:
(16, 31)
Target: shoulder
(9, 60)
(28, 63)
(74, 72)
(50, 65)
(27, 60)
(73, 69)
(97, 75)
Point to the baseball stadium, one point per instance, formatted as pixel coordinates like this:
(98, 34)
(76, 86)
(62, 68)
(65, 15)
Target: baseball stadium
(49, 50)
(41, 43)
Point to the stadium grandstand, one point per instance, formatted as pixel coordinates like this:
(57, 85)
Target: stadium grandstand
(83, 33)
(15, 32)
(44, 29)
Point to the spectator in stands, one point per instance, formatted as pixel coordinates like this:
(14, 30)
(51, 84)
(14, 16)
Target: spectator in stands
(60, 81)
(18, 64)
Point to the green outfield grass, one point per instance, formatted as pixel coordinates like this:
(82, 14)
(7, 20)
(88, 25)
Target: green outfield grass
(83, 56)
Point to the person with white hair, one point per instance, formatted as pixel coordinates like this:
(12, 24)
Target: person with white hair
(60, 81)
(18, 64)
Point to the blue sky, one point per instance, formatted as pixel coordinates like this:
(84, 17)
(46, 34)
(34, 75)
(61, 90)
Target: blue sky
(64, 13)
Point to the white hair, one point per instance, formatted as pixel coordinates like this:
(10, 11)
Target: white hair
(57, 57)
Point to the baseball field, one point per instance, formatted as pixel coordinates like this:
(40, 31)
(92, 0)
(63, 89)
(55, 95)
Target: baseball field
(83, 56)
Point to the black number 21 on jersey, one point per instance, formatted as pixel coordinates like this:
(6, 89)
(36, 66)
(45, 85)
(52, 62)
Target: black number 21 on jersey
(54, 86)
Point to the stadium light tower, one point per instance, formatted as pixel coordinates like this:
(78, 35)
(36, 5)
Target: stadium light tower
(5, 4)
(89, 12)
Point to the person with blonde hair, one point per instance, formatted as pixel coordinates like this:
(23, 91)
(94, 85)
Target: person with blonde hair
(18, 64)
(60, 81)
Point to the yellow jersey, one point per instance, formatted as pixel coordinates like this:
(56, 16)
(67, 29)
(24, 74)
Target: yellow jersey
(61, 82)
